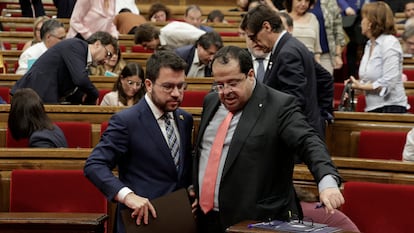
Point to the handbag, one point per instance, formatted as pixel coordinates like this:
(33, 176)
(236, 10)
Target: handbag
(347, 103)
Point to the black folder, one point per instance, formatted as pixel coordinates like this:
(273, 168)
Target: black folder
(173, 215)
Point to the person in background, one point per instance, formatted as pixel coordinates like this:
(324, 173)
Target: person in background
(215, 16)
(51, 32)
(380, 72)
(129, 4)
(306, 25)
(408, 11)
(408, 152)
(32, 8)
(260, 131)
(128, 88)
(287, 21)
(408, 38)
(36, 32)
(331, 35)
(60, 75)
(112, 66)
(193, 15)
(148, 143)
(64, 8)
(126, 22)
(89, 17)
(158, 12)
(28, 119)
(199, 55)
(173, 35)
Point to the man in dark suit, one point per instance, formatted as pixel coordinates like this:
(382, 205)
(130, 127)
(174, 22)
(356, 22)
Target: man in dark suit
(254, 173)
(199, 55)
(61, 73)
(137, 142)
(292, 67)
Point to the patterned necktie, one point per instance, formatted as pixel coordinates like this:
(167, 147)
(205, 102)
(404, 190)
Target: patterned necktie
(260, 70)
(210, 175)
(172, 139)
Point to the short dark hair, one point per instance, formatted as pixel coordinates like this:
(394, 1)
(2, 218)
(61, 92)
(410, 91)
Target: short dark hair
(146, 32)
(105, 38)
(255, 17)
(227, 53)
(215, 14)
(289, 20)
(27, 114)
(163, 58)
(124, 10)
(191, 7)
(159, 7)
(131, 69)
(210, 38)
(49, 26)
(288, 4)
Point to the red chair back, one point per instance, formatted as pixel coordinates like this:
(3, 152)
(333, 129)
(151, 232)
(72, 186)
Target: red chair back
(5, 94)
(193, 98)
(54, 191)
(78, 134)
(104, 125)
(379, 208)
(102, 93)
(12, 143)
(409, 73)
(381, 144)
(338, 89)
(140, 49)
(360, 105)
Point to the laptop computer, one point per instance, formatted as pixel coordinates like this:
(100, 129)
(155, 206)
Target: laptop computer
(173, 215)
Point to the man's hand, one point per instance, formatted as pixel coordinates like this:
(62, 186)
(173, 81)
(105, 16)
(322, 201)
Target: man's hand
(192, 195)
(332, 199)
(141, 207)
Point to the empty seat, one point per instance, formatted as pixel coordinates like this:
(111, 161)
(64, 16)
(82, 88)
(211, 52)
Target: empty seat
(78, 134)
(374, 144)
(193, 98)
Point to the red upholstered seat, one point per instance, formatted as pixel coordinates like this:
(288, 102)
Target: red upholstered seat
(193, 98)
(54, 191)
(409, 73)
(5, 94)
(229, 34)
(104, 125)
(78, 134)
(11, 142)
(379, 208)
(102, 93)
(140, 49)
(381, 144)
(338, 89)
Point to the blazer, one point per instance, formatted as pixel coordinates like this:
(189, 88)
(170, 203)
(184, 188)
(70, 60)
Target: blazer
(134, 143)
(187, 53)
(48, 138)
(256, 183)
(58, 72)
(291, 70)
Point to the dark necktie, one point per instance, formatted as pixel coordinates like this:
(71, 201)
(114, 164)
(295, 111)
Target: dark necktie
(260, 70)
(172, 139)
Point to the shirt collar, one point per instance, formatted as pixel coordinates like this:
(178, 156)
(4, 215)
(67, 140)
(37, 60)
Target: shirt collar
(89, 58)
(196, 60)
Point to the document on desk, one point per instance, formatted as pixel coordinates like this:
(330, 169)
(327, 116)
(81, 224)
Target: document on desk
(173, 215)
(304, 226)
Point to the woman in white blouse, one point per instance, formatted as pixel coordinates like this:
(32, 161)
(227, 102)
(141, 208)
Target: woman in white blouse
(380, 70)
(128, 88)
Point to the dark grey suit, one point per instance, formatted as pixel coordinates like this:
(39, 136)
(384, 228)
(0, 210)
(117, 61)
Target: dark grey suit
(257, 176)
(58, 72)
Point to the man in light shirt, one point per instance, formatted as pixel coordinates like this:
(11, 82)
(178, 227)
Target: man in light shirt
(51, 32)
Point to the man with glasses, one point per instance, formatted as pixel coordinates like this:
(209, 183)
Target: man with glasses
(60, 75)
(248, 174)
(149, 143)
(291, 67)
(51, 32)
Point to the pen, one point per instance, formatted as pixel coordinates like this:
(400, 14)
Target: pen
(255, 224)
(319, 205)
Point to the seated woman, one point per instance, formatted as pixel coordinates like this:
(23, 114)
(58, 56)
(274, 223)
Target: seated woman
(158, 12)
(28, 119)
(36, 32)
(112, 67)
(128, 88)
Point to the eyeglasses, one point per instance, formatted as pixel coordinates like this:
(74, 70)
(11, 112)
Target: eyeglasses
(232, 84)
(109, 54)
(57, 37)
(132, 83)
(253, 37)
(170, 87)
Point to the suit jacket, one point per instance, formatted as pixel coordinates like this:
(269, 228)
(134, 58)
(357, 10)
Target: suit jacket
(257, 176)
(58, 71)
(292, 70)
(48, 138)
(134, 143)
(187, 53)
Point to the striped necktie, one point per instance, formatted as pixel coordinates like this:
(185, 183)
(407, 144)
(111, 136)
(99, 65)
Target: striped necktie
(172, 139)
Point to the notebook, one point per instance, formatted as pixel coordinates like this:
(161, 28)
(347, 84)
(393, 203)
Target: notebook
(173, 215)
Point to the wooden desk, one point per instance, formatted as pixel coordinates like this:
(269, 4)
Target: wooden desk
(242, 228)
(52, 222)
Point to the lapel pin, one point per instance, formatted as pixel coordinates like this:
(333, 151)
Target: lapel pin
(181, 117)
(260, 105)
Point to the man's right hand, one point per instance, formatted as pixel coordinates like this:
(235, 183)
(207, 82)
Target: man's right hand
(141, 207)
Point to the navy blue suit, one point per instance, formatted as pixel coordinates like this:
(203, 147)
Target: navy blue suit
(187, 53)
(58, 72)
(134, 143)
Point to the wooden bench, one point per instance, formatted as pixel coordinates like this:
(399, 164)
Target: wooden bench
(16, 23)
